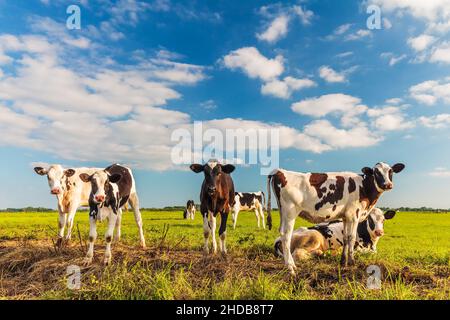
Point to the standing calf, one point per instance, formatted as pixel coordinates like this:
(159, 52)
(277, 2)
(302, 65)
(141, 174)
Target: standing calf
(189, 211)
(216, 196)
(249, 201)
(318, 239)
(111, 189)
(323, 197)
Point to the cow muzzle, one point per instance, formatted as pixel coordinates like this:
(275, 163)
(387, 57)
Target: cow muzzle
(379, 233)
(211, 190)
(99, 198)
(55, 191)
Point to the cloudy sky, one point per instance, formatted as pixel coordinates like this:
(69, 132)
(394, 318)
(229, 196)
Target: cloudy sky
(343, 96)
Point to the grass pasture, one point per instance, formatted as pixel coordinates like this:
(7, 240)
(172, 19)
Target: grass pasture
(414, 257)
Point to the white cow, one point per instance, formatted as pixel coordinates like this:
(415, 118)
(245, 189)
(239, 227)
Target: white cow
(323, 197)
(249, 201)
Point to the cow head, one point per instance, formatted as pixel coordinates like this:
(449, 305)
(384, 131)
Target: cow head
(375, 222)
(55, 175)
(212, 170)
(100, 183)
(382, 174)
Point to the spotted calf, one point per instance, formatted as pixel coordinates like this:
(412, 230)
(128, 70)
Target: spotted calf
(110, 190)
(189, 211)
(318, 239)
(324, 197)
(249, 201)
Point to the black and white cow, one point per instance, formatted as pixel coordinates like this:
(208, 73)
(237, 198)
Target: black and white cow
(189, 211)
(249, 201)
(216, 196)
(318, 239)
(111, 188)
(70, 192)
(323, 197)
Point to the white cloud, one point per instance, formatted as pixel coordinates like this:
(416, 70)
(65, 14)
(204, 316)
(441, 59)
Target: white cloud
(329, 75)
(440, 172)
(360, 34)
(441, 53)
(393, 59)
(389, 118)
(284, 88)
(430, 92)
(436, 122)
(326, 104)
(344, 54)
(277, 30)
(421, 42)
(254, 64)
(304, 15)
(394, 101)
(358, 136)
(387, 23)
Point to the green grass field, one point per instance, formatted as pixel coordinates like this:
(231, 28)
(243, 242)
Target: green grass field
(413, 256)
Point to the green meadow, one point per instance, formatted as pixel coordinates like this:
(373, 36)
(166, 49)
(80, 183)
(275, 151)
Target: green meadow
(413, 256)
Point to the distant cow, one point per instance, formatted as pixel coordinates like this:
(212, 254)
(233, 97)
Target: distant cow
(323, 197)
(216, 196)
(189, 211)
(249, 201)
(70, 192)
(111, 189)
(318, 239)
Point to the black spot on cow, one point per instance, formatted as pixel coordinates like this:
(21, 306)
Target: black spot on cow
(351, 185)
(333, 197)
(316, 180)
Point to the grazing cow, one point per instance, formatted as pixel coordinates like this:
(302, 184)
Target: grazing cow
(189, 211)
(323, 197)
(111, 189)
(318, 239)
(249, 201)
(216, 196)
(70, 192)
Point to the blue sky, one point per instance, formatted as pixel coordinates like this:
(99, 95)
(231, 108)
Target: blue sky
(342, 96)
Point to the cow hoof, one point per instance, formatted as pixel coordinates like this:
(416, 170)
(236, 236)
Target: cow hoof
(107, 261)
(205, 251)
(87, 261)
(143, 246)
(60, 242)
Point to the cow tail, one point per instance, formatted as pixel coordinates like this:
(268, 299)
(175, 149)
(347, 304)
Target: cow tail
(269, 196)
(264, 201)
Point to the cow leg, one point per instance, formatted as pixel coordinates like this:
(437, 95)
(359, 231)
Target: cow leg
(134, 201)
(92, 238)
(350, 228)
(212, 223)
(287, 228)
(234, 216)
(109, 236)
(257, 217)
(118, 225)
(206, 232)
(261, 213)
(61, 225)
(70, 218)
(223, 231)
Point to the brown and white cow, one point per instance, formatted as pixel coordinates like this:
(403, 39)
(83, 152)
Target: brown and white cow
(70, 192)
(322, 197)
(329, 236)
(111, 188)
(249, 201)
(216, 196)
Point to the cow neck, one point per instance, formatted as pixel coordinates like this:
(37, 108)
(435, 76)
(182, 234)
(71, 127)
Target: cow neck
(369, 190)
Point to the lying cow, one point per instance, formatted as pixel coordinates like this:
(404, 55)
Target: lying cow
(249, 201)
(111, 189)
(323, 197)
(70, 192)
(216, 196)
(189, 211)
(318, 239)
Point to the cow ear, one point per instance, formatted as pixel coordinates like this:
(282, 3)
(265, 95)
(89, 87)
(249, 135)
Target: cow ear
(389, 214)
(196, 167)
(398, 167)
(85, 177)
(228, 168)
(69, 172)
(115, 178)
(41, 171)
(367, 171)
